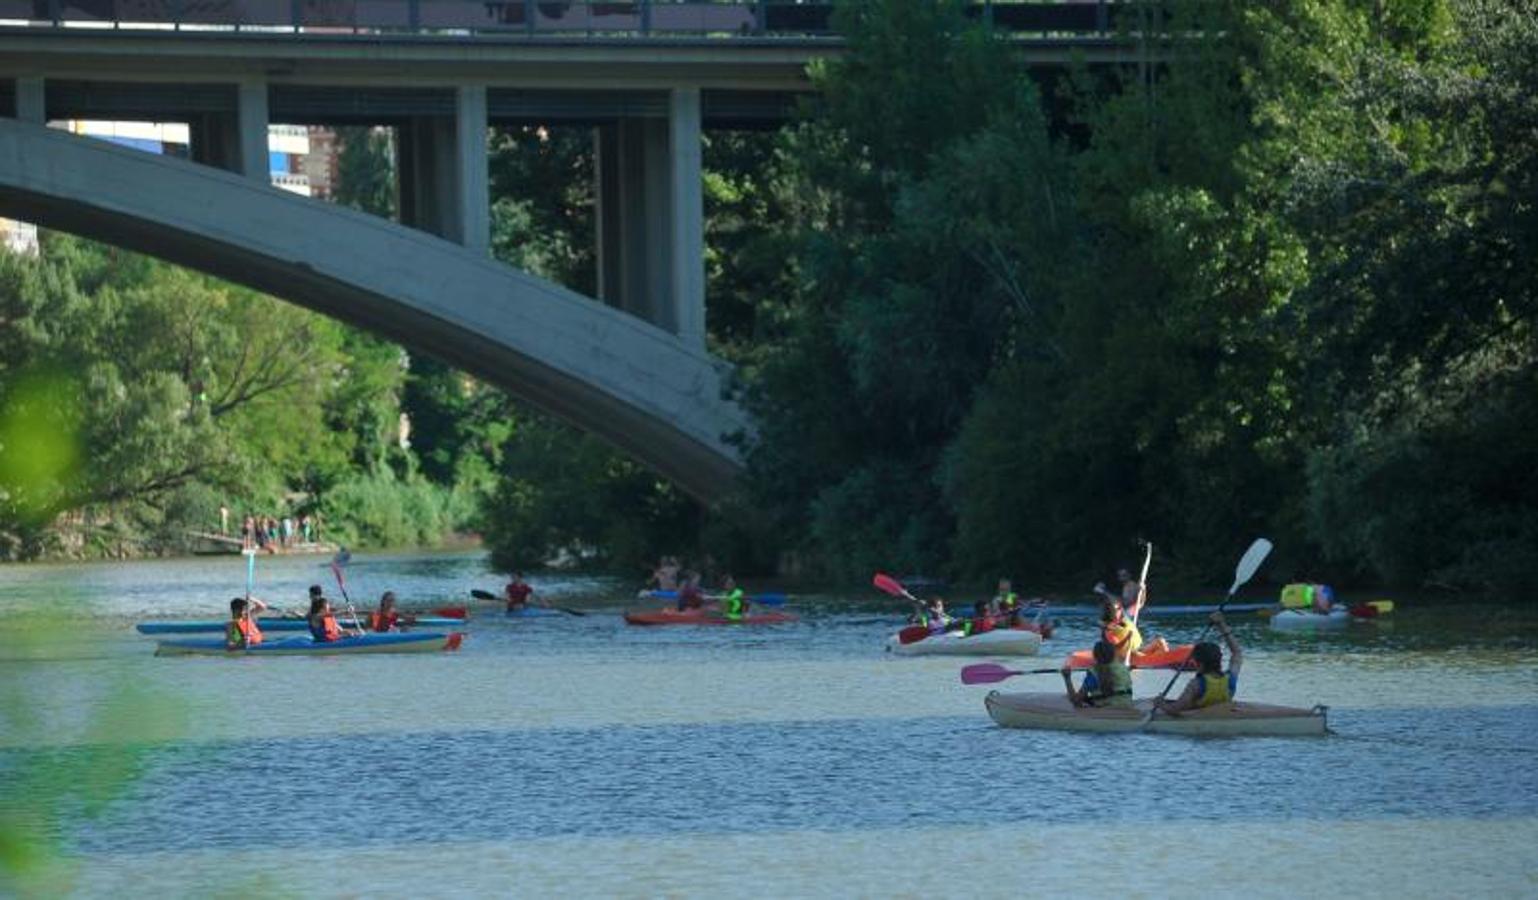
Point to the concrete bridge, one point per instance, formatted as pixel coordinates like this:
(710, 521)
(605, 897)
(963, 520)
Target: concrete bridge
(647, 77)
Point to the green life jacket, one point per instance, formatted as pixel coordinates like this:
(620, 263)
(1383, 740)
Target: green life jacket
(731, 604)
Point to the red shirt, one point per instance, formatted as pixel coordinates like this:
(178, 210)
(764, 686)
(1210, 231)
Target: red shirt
(518, 594)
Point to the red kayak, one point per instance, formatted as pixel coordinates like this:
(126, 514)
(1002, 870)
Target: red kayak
(1173, 658)
(703, 617)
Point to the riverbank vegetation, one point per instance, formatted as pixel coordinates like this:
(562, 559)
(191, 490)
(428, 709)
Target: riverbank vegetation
(1271, 276)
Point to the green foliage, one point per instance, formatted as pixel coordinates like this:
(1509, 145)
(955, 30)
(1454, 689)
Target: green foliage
(366, 170)
(380, 510)
(1278, 285)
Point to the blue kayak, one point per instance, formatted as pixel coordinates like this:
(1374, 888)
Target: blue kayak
(303, 645)
(533, 612)
(205, 626)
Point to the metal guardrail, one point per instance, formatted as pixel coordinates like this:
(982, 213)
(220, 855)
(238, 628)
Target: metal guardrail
(724, 18)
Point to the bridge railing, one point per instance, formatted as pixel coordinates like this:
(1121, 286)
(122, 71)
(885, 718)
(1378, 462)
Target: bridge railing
(618, 18)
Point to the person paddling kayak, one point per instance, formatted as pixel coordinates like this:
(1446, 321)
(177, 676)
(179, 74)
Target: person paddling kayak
(734, 605)
(1211, 685)
(1109, 683)
(517, 593)
(689, 594)
(386, 618)
(1123, 634)
(242, 632)
(981, 621)
(323, 625)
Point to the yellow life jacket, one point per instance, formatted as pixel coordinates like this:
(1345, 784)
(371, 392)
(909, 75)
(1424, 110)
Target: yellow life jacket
(1214, 689)
(1298, 596)
(1118, 632)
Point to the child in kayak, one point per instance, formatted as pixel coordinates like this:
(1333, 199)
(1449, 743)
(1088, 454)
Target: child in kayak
(689, 594)
(1109, 683)
(981, 621)
(933, 616)
(734, 604)
(1005, 603)
(323, 626)
(242, 632)
(385, 618)
(1123, 634)
(1211, 685)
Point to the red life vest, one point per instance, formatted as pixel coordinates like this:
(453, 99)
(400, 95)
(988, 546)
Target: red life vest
(381, 622)
(242, 632)
(518, 594)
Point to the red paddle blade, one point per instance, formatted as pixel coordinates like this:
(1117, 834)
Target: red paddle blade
(452, 612)
(912, 633)
(889, 584)
(986, 673)
(1364, 611)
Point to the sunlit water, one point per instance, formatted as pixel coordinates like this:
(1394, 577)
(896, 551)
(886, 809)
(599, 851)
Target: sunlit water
(584, 756)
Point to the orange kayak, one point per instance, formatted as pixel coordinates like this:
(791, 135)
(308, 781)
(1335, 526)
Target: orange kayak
(1173, 658)
(703, 617)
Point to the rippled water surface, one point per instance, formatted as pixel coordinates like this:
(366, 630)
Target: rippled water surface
(580, 755)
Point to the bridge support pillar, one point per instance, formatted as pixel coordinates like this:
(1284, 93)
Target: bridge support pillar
(31, 100)
(444, 183)
(235, 141)
(650, 218)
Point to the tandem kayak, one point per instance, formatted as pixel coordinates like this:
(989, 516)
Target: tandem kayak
(703, 617)
(1053, 712)
(202, 626)
(998, 642)
(302, 645)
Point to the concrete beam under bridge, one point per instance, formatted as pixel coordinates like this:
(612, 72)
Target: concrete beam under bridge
(644, 390)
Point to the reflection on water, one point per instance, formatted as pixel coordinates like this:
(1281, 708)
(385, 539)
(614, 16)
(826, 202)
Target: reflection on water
(583, 754)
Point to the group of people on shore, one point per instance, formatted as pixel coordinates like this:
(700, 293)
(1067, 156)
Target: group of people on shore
(243, 630)
(272, 534)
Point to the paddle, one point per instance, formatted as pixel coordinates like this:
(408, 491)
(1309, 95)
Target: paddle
(894, 587)
(1142, 583)
(342, 558)
(488, 595)
(988, 673)
(760, 599)
(1248, 564)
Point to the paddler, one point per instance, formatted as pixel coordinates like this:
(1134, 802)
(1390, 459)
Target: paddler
(1108, 683)
(517, 593)
(1211, 685)
(1123, 634)
(933, 616)
(1133, 592)
(385, 618)
(241, 632)
(981, 621)
(323, 626)
(689, 594)
(1005, 603)
(734, 604)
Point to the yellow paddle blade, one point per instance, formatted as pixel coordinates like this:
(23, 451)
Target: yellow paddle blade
(1382, 606)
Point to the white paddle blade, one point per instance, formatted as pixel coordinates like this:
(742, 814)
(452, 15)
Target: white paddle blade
(1251, 561)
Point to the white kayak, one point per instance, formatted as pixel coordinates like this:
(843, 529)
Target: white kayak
(1053, 712)
(1308, 620)
(999, 642)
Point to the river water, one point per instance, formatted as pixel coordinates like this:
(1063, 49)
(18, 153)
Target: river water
(583, 756)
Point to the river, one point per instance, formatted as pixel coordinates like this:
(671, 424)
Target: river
(581, 756)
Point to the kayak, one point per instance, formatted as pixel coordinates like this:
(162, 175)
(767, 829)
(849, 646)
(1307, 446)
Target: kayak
(1053, 712)
(703, 617)
(1197, 609)
(302, 645)
(201, 626)
(998, 642)
(533, 612)
(1308, 620)
(1173, 658)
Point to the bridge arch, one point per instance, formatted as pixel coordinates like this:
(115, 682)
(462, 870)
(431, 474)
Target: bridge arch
(612, 374)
